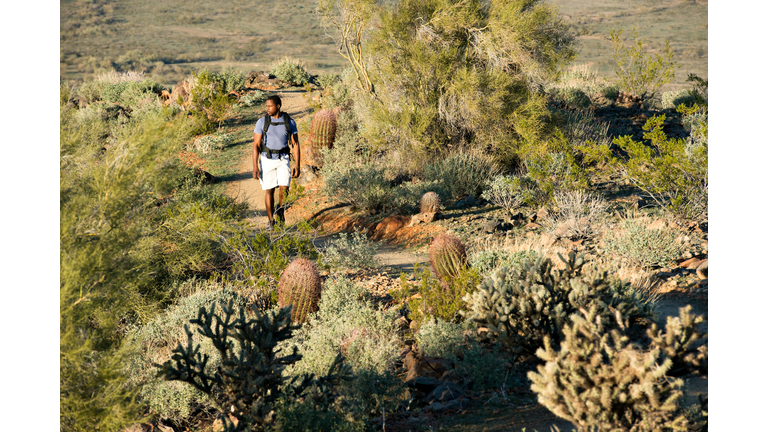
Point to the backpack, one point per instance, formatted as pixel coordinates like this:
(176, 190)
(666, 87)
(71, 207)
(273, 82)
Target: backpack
(267, 122)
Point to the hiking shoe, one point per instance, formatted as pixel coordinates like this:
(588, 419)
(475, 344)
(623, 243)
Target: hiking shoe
(271, 226)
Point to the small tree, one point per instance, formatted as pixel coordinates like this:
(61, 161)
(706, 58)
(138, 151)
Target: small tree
(641, 72)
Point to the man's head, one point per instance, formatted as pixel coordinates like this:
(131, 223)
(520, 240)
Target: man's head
(273, 105)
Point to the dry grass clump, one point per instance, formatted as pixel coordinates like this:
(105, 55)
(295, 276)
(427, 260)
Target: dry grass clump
(579, 214)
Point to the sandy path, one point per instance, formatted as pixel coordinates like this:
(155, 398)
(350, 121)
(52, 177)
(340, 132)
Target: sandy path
(247, 188)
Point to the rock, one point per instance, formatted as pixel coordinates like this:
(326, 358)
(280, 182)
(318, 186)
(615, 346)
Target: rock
(470, 200)
(657, 224)
(307, 176)
(422, 218)
(532, 226)
(139, 427)
(205, 177)
(491, 227)
(389, 226)
(691, 263)
(402, 323)
(451, 376)
(445, 392)
(423, 384)
(517, 222)
(438, 365)
(548, 240)
(437, 406)
(702, 271)
(543, 213)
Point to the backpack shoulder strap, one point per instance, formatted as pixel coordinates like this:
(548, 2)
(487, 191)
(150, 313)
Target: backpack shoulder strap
(287, 120)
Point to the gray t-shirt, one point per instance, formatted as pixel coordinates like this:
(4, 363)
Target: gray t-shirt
(277, 138)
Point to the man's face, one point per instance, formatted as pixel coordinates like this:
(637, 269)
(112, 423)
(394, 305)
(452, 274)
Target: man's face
(272, 108)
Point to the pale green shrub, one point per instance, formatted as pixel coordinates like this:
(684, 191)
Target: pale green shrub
(641, 72)
(672, 99)
(462, 174)
(488, 261)
(642, 246)
(326, 80)
(364, 187)
(253, 99)
(439, 338)
(209, 143)
(578, 214)
(347, 322)
(290, 70)
(90, 91)
(510, 192)
(152, 344)
(350, 251)
(572, 97)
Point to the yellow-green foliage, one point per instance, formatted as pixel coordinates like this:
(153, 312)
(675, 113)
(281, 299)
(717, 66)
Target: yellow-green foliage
(640, 72)
(461, 73)
(435, 297)
(210, 97)
(672, 171)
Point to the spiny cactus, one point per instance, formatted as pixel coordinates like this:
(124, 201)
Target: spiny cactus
(599, 380)
(447, 255)
(520, 306)
(430, 203)
(300, 286)
(322, 133)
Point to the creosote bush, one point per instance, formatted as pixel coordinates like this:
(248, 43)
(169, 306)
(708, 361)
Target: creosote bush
(640, 72)
(600, 379)
(520, 306)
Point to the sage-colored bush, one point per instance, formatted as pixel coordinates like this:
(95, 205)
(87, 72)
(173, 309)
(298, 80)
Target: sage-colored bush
(488, 261)
(642, 246)
(461, 174)
(350, 251)
(290, 70)
(522, 306)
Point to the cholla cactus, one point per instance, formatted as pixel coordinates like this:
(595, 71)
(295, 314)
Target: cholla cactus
(598, 380)
(300, 286)
(447, 255)
(679, 343)
(322, 133)
(430, 203)
(520, 306)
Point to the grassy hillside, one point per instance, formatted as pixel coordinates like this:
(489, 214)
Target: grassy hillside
(169, 38)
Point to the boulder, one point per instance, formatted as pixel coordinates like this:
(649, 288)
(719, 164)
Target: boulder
(445, 392)
(702, 271)
(423, 384)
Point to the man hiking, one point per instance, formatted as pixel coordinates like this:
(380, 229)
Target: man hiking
(274, 139)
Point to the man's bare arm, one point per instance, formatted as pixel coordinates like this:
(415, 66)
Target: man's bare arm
(256, 144)
(296, 147)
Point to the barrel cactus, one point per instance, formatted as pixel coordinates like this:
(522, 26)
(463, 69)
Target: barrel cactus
(322, 133)
(447, 256)
(300, 286)
(430, 203)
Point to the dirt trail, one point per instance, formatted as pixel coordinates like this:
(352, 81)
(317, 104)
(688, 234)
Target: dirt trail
(247, 188)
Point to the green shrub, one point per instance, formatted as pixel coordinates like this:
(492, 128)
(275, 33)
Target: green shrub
(671, 172)
(672, 99)
(153, 343)
(451, 74)
(520, 307)
(290, 70)
(572, 97)
(640, 72)
(435, 297)
(131, 93)
(487, 262)
(600, 380)
(350, 251)
(461, 174)
(364, 187)
(255, 98)
(90, 91)
(556, 170)
(348, 322)
(472, 362)
(642, 246)
(581, 79)
(327, 80)
(511, 192)
(208, 143)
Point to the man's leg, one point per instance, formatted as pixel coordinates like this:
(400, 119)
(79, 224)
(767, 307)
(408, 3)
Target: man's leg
(280, 213)
(269, 203)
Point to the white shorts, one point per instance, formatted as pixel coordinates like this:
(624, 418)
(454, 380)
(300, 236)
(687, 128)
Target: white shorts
(274, 172)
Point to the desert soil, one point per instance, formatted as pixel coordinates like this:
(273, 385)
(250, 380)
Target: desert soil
(400, 250)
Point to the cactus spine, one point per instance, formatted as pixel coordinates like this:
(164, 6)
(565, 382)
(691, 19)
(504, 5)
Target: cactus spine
(322, 133)
(430, 203)
(300, 286)
(447, 256)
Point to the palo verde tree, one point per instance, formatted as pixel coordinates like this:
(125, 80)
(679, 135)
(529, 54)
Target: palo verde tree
(462, 73)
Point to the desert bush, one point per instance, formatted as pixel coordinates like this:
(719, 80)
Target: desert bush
(520, 306)
(571, 97)
(488, 261)
(700, 90)
(600, 380)
(350, 251)
(582, 129)
(208, 143)
(676, 180)
(290, 70)
(152, 343)
(578, 214)
(461, 74)
(348, 322)
(435, 297)
(461, 174)
(255, 98)
(364, 187)
(90, 91)
(511, 192)
(642, 246)
(579, 78)
(472, 362)
(672, 99)
(556, 170)
(327, 80)
(696, 121)
(640, 72)
(209, 96)
(247, 383)
(130, 93)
